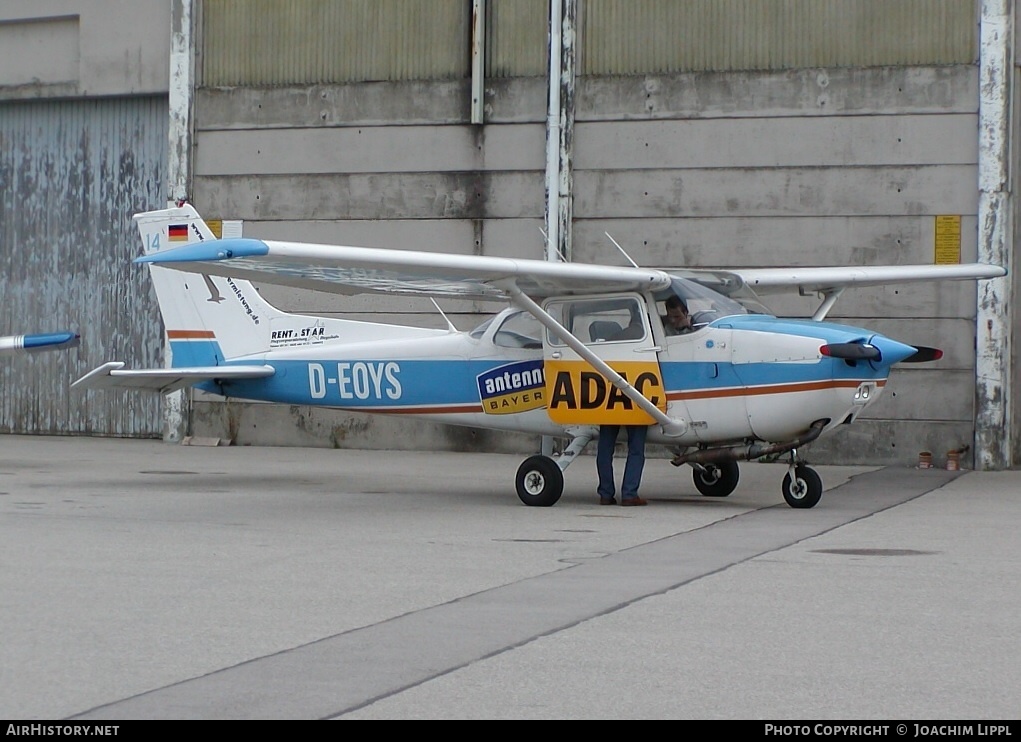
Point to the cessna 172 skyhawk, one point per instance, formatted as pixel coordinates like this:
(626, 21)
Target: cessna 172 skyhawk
(579, 345)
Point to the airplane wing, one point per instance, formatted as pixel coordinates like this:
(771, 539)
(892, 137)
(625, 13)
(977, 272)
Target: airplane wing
(354, 270)
(830, 283)
(822, 280)
(163, 380)
(39, 342)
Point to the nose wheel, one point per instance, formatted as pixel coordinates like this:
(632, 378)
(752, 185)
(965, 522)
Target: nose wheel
(802, 486)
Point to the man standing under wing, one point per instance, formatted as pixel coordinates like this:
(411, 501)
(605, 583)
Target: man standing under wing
(636, 435)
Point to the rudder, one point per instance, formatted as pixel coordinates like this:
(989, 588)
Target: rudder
(208, 319)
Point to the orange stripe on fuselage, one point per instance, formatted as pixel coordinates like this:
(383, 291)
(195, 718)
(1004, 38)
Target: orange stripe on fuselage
(807, 386)
(438, 409)
(191, 334)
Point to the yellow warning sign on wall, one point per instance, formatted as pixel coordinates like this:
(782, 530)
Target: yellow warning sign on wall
(224, 228)
(948, 240)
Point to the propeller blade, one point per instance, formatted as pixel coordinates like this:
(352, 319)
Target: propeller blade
(851, 351)
(924, 355)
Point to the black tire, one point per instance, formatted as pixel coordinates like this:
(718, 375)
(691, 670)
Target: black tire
(717, 480)
(805, 490)
(539, 482)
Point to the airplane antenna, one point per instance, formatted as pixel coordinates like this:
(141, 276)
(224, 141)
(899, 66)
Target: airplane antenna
(450, 325)
(546, 239)
(622, 251)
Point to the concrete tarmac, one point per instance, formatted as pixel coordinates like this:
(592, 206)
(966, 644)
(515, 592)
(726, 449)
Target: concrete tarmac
(141, 580)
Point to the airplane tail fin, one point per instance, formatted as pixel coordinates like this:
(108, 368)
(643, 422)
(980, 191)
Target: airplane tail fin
(208, 320)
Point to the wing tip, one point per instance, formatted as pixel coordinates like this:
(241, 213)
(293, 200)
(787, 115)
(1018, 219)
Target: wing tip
(215, 250)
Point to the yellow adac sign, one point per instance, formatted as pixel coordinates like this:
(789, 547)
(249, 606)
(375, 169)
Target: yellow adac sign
(577, 394)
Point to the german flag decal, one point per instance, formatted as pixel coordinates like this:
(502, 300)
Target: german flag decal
(178, 232)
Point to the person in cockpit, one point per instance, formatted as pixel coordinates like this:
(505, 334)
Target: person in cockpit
(676, 321)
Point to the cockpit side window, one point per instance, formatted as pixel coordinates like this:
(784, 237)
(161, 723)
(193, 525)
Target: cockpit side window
(609, 320)
(479, 331)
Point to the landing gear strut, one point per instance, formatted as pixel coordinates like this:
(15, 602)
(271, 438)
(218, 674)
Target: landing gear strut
(802, 485)
(540, 478)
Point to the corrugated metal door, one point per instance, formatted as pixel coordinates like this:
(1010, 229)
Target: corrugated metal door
(71, 175)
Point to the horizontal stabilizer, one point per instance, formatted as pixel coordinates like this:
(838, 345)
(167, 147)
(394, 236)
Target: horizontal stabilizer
(164, 380)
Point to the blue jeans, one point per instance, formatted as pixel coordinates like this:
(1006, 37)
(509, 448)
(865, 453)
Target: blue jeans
(636, 435)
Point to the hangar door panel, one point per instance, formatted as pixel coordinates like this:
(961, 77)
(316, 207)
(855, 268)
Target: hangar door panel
(71, 175)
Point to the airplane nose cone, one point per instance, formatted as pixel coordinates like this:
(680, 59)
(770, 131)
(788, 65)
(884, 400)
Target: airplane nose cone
(891, 351)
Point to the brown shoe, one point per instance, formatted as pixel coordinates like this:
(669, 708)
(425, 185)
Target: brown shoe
(633, 501)
(607, 501)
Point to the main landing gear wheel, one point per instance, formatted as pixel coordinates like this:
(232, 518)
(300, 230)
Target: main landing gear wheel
(804, 489)
(716, 480)
(539, 481)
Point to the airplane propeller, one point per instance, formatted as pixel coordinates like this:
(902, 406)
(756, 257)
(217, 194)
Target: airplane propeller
(923, 355)
(851, 351)
(868, 352)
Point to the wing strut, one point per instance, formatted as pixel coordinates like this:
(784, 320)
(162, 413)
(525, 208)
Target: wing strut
(830, 297)
(671, 426)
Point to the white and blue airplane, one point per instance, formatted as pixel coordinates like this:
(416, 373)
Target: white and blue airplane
(578, 346)
(38, 342)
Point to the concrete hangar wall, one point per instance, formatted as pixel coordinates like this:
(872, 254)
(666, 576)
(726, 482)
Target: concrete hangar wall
(706, 134)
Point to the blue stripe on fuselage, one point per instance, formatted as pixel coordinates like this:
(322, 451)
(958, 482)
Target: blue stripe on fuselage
(693, 375)
(398, 383)
(376, 384)
(369, 383)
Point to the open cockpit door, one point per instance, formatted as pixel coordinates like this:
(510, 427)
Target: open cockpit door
(606, 371)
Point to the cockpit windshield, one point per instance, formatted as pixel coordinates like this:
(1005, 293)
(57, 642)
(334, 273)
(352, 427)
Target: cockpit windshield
(710, 296)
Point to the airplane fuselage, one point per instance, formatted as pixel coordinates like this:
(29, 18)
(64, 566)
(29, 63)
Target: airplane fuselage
(738, 378)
